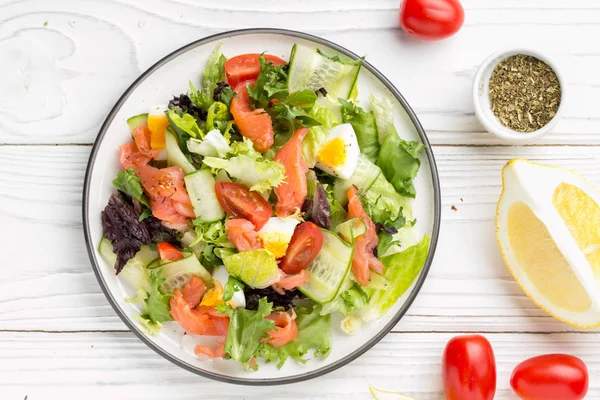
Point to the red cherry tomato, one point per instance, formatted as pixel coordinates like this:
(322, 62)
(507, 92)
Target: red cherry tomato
(167, 251)
(239, 202)
(246, 66)
(469, 369)
(431, 19)
(553, 376)
(304, 246)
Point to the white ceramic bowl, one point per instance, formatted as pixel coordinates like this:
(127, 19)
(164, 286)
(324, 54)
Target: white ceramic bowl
(170, 77)
(481, 98)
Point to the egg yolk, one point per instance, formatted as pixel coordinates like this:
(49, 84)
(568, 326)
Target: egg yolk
(333, 153)
(275, 242)
(214, 296)
(157, 125)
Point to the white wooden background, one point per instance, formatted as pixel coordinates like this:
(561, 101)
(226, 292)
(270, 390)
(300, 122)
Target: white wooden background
(63, 63)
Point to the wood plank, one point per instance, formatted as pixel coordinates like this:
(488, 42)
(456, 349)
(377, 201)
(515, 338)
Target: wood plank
(51, 286)
(118, 365)
(61, 79)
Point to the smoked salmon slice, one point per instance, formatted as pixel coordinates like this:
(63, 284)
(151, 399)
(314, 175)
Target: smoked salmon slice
(364, 259)
(292, 192)
(286, 328)
(242, 234)
(256, 125)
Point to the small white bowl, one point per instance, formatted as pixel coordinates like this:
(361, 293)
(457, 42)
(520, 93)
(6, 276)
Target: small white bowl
(482, 101)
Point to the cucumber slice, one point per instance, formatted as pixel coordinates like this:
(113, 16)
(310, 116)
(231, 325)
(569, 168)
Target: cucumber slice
(352, 228)
(106, 251)
(147, 254)
(177, 281)
(365, 174)
(201, 188)
(190, 265)
(347, 86)
(154, 263)
(329, 270)
(309, 69)
(174, 154)
(133, 272)
(190, 237)
(144, 256)
(137, 121)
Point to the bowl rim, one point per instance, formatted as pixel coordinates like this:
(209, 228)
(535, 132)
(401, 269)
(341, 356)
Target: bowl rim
(316, 372)
(494, 127)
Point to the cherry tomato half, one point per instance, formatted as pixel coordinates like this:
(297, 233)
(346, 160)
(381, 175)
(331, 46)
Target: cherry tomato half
(304, 246)
(166, 251)
(239, 202)
(246, 66)
(431, 19)
(552, 376)
(469, 369)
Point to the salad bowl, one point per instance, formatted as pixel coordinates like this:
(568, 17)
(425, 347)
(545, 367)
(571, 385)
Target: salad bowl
(169, 77)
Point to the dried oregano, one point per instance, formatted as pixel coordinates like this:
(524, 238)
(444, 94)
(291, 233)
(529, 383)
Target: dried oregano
(524, 93)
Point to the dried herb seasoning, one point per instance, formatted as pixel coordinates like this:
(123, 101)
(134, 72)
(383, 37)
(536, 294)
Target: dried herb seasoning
(524, 93)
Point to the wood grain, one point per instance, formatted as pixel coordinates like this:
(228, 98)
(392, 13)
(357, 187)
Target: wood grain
(65, 62)
(468, 288)
(118, 365)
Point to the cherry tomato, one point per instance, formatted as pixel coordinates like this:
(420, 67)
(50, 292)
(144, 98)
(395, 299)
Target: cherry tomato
(167, 251)
(431, 19)
(239, 202)
(553, 376)
(469, 369)
(304, 246)
(246, 66)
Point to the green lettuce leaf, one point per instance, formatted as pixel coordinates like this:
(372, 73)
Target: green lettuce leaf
(140, 295)
(337, 210)
(365, 128)
(149, 327)
(232, 286)
(347, 302)
(217, 114)
(314, 332)
(213, 145)
(185, 125)
(256, 268)
(293, 112)
(210, 233)
(399, 161)
(270, 84)
(382, 109)
(258, 173)
(157, 303)
(247, 328)
(213, 73)
(401, 269)
(129, 183)
(227, 94)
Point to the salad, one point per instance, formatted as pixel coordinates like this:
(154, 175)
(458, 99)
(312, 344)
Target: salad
(251, 209)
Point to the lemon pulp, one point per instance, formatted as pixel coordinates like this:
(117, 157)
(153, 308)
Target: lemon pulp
(581, 214)
(541, 260)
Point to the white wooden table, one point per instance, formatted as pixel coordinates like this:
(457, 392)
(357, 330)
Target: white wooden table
(63, 63)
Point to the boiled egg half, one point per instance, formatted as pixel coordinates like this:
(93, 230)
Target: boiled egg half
(338, 155)
(276, 234)
(221, 276)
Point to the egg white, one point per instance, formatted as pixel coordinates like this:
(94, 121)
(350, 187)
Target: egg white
(351, 149)
(277, 233)
(221, 275)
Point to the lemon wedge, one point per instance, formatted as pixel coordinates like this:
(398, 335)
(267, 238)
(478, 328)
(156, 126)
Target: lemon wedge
(548, 230)
(385, 395)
